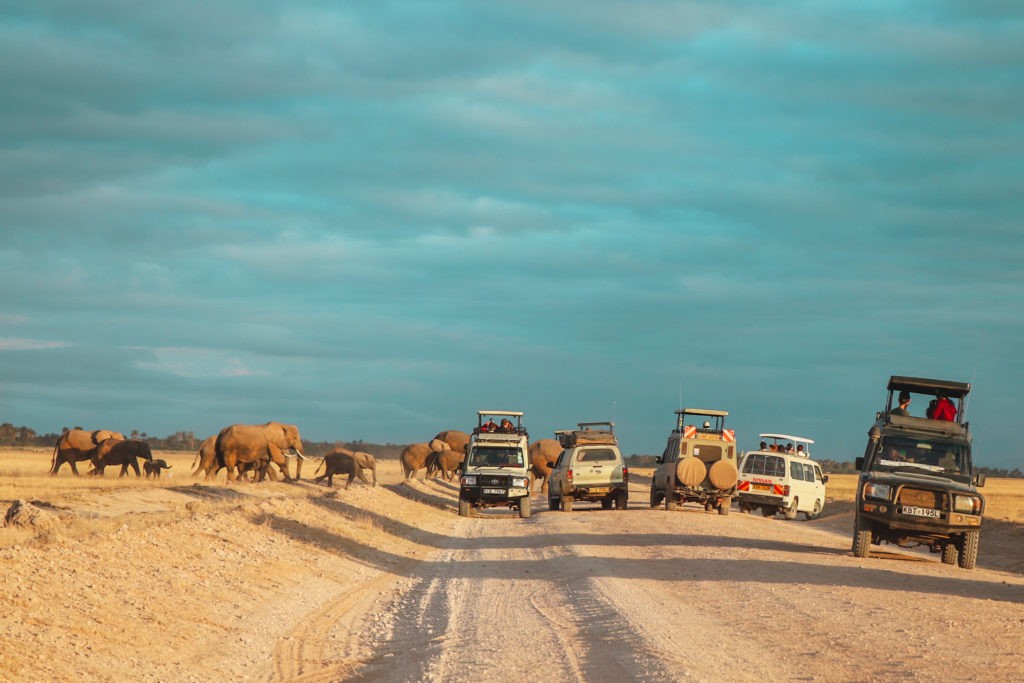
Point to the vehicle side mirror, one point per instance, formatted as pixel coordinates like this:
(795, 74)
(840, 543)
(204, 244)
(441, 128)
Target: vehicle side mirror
(859, 463)
(659, 460)
(824, 479)
(979, 479)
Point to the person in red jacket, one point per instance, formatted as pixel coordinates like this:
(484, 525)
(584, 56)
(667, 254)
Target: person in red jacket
(944, 409)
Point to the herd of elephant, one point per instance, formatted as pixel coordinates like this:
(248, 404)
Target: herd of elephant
(445, 452)
(250, 449)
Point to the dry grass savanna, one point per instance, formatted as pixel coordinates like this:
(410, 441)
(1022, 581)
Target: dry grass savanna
(182, 580)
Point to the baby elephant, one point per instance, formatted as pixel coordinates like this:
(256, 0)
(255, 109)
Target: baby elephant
(343, 461)
(153, 468)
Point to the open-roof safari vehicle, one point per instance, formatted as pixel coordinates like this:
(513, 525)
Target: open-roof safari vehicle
(781, 477)
(589, 468)
(917, 482)
(699, 462)
(496, 470)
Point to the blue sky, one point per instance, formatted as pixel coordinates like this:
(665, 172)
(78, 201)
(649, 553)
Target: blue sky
(372, 219)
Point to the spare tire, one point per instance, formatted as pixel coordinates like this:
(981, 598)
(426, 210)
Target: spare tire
(690, 471)
(723, 474)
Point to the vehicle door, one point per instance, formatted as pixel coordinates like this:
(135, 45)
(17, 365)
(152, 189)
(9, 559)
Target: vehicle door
(594, 465)
(802, 484)
(557, 479)
(663, 475)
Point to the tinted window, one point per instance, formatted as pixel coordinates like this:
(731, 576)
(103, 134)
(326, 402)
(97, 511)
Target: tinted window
(761, 463)
(796, 470)
(817, 473)
(708, 453)
(596, 455)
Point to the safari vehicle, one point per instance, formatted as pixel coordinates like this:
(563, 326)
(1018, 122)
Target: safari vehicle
(917, 483)
(774, 479)
(699, 462)
(496, 470)
(590, 468)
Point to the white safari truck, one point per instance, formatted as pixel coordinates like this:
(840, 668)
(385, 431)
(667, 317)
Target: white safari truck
(781, 477)
(496, 470)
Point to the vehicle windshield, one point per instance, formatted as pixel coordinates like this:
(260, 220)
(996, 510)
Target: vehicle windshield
(934, 457)
(495, 456)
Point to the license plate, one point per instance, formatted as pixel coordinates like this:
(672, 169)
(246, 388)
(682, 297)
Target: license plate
(496, 492)
(763, 487)
(921, 512)
(600, 489)
(517, 493)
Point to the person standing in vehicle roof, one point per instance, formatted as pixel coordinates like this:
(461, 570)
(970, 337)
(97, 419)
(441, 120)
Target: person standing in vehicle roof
(903, 408)
(944, 409)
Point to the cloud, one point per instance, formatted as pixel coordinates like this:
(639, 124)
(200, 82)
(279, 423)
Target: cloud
(20, 344)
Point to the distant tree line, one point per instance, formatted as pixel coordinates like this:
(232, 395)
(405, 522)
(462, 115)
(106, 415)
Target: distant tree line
(837, 467)
(11, 435)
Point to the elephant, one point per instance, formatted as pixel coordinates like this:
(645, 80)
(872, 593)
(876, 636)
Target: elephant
(206, 457)
(75, 445)
(153, 468)
(343, 461)
(444, 459)
(454, 438)
(120, 452)
(206, 460)
(542, 452)
(239, 445)
(414, 458)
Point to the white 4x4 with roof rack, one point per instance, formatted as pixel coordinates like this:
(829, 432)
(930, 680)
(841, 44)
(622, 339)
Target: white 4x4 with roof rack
(495, 472)
(778, 477)
(589, 468)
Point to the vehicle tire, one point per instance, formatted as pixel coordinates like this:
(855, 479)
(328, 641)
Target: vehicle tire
(790, 512)
(670, 500)
(621, 500)
(554, 503)
(743, 507)
(464, 508)
(524, 507)
(769, 510)
(606, 503)
(949, 552)
(815, 512)
(723, 507)
(708, 507)
(656, 497)
(861, 537)
(968, 548)
(567, 503)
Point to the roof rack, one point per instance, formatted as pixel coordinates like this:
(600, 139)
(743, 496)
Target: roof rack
(588, 433)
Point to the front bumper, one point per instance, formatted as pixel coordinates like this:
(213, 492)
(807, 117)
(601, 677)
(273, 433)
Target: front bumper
(949, 522)
(492, 494)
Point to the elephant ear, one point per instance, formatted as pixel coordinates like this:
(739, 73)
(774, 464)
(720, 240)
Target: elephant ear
(436, 445)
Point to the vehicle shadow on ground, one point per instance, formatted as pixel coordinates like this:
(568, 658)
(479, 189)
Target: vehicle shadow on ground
(575, 567)
(425, 497)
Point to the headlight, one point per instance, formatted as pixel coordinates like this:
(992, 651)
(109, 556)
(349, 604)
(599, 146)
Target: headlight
(968, 504)
(469, 481)
(521, 482)
(877, 491)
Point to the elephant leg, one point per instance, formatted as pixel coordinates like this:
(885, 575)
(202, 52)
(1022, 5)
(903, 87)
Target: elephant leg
(74, 469)
(373, 470)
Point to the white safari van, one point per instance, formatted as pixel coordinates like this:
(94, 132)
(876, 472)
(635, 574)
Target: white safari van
(781, 477)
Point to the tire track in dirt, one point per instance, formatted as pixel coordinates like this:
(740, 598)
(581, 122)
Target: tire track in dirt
(301, 656)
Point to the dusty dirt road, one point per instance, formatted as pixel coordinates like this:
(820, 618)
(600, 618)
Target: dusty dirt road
(284, 582)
